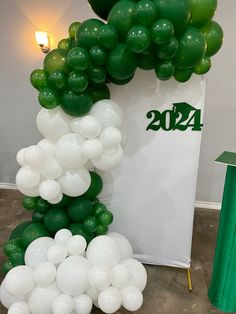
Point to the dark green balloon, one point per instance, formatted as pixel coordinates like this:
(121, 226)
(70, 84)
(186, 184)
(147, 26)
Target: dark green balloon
(57, 80)
(55, 60)
(42, 206)
(76, 105)
(121, 82)
(98, 55)
(102, 7)
(168, 51)
(138, 38)
(146, 61)
(65, 44)
(17, 232)
(203, 66)
(73, 29)
(79, 209)
(214, 37)
(90, 224)
(56, 219)
(101, 230)
(37, 217)
(162, 31)
(145, 13)
(105, 218)
(64, 202)
(88, 32)
(176, 11)
(33, 232)
(121, 17)
(7, 266)
(164, 69)
(100, 92)
(182, 76)
(107, 36)
(48, 98)
(18, 257)
(78, 81)
(202, 11)
(122, 62)
(97, 74)
(29, 202)
(78, 59)
(192, 47)
(11, 245)
(77, 229)
(96, 185)
(98, 208)
(38, 79)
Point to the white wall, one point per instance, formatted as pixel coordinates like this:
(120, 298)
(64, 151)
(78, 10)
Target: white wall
(19, 55)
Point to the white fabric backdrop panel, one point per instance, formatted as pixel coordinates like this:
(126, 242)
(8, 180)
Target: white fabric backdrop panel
(152, 193)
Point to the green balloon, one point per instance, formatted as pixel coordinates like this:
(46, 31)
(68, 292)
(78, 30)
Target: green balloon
(107, 36)
(38, 79)
(203, 66)
(182, 76)
(98, 55)
(78, 229)
(202, 11)
(37, 217)
(98, 208)
(7, 266)
(87, 34)
(105, 218)
(168, 51)
(100, 92)
(79, 209)
(121, 17)
(145, 13)
(65, 44)
(146, 61)
(78, 59)
(18, 257)
(102, 7)
(29, 202)
(192, 47)
(176, 11)
(138, 38)
(97, 74)
(101, 230)
(33, 232)
(76, 105)
(42, 206)
(64, 202)
(11, 245)
(164, 69)
(78, 81)
(90, 224)
(73, 29)
(214, 37)
(56, 219)
(48, 98)
(96, 185)
(122, 62)
(57, 80)
(17, 232)
(121, 82)
(55, 60)
(162, 31)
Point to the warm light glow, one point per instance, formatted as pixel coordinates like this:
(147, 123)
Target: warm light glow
(43, 41)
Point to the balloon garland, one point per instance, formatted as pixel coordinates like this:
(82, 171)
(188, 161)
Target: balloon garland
(81, 127)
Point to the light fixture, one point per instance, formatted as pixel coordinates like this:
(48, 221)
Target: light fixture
(43, 41)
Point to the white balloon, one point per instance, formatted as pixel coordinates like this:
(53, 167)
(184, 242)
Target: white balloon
(19, 308)
(72, 275)
(20, 157)
(62, 236)
(109, 159)
(120, 276)
(52, 170)
(108, 112)
(52, 124)
(109, 300)
(49, 189)
(56, 254)
(48, 147)
(100, 277)
(68, 151)
(75, 182)
(37, 250)
(93, 293)
(7, 299)
(126, 250)
(132, 298)
(138, 274)
(110, 137)
(63, 304)
(57, 199)
(19, 281)
(27, 178)
(83, 304)
(45, 274)
(40, 300)
(74, 124)
(103, 251)
(76, 245)
(89, 127)
(89, 165)
(29, 191)
(35, 157)
(92, 149)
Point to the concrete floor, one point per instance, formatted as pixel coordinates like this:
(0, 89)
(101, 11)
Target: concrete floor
(166, 291)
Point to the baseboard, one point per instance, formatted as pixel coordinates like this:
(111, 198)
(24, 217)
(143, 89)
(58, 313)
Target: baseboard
(208, 205)
(8, 186)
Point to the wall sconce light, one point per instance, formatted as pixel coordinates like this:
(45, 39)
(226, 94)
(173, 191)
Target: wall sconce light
(43, 41)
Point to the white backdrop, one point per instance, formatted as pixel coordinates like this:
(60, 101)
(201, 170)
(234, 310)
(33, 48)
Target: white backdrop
(152, 193)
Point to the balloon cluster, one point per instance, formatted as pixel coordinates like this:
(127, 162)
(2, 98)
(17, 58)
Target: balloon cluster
(60, 163)
(84, 215)
(60, 277)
